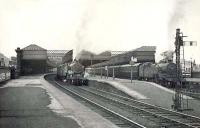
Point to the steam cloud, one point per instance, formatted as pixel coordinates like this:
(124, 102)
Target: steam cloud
(176, 19)
(81, 33)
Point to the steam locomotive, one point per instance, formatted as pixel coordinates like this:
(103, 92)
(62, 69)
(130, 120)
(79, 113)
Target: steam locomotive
(163, 73)
(72, 73)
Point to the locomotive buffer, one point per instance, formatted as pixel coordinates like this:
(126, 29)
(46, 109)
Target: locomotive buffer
(178, 94)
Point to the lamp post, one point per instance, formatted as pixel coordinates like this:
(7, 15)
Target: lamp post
(106, 69)
(191, 68)
(132, 62)
(113, 73)
(91, 58)
(101, 72)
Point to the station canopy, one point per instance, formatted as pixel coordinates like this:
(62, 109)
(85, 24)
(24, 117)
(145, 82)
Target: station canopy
(57, 57)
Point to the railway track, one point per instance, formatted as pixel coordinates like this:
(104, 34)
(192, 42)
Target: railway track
(132, 110)
(114, 117)
(181, 119)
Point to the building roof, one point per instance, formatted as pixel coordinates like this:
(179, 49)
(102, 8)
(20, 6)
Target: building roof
(115, 53)
(141, 49)
(57, 53)
(146, 48)
(33, 47)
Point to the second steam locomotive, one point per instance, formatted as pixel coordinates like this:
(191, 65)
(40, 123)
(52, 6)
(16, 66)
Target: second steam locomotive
(72, 73)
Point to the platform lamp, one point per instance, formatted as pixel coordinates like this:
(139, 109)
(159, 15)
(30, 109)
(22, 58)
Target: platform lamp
(106, 69)
(91, 58)
(191, 67)
(132, 62)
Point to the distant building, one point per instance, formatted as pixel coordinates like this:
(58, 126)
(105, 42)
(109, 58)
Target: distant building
(186, 67)
(13, 61)
(4, 61)
(195, 70)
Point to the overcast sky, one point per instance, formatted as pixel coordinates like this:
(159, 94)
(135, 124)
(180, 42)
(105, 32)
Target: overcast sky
(98, 25)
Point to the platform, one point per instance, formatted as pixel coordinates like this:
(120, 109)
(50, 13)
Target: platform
(31, 102)
(149, 92)
(194, 80)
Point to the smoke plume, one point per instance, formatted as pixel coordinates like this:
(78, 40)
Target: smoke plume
(176, 19)
(81, 34)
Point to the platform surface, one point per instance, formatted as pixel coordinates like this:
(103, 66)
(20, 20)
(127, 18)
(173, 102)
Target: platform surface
(31, 102)
(197, 80)
(150, 92)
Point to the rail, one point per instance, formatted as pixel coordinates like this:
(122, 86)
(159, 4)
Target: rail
(162, 116)
(114, 117)
(189, 121)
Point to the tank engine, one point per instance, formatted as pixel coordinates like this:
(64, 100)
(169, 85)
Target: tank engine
(72, 73)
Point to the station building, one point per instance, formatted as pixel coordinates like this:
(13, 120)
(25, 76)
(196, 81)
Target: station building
(34, 59)
(31, 59)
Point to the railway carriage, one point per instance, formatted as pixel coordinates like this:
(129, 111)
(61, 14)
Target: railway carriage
(164, 73)
(125, 71)
(114, 70)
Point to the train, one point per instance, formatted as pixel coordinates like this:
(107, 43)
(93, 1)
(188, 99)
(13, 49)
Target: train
(72, 73)
(163, 73)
